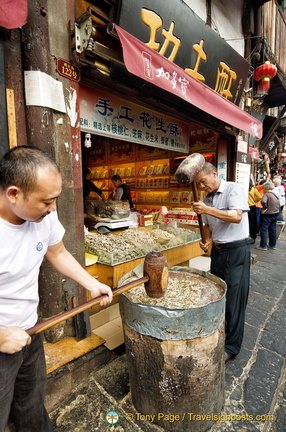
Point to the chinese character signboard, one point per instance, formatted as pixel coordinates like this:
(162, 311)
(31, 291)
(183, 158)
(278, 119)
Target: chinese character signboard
(257, 111)
(222, 159)
(146, 63)
(242, 170)
(108, 115)
(181, 36)
(202, 139)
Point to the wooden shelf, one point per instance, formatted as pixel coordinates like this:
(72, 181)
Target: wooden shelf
(182, 196)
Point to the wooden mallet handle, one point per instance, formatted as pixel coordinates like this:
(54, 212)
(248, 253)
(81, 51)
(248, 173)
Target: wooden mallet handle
(186, 174)
(155, 279)
(196, 199)
(72, 312)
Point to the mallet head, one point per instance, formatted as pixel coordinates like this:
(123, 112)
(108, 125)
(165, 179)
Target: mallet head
(156, 268)
(189, 168)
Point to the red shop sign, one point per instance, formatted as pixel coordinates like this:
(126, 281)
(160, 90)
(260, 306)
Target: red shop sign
(68, 70)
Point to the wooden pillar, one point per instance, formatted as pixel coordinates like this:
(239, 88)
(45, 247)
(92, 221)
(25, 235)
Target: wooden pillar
(3, 112)
(44, 37)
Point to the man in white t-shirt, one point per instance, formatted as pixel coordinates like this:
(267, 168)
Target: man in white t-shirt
(30, 183)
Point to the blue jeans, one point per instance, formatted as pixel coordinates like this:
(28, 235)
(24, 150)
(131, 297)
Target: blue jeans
(268, 226)
(22, 388)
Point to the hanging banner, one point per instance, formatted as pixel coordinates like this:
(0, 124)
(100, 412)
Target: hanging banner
(104, 114)
(173, 30)
(151, 66)
(13, 14)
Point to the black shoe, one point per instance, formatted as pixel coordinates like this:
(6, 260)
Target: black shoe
(227, 357)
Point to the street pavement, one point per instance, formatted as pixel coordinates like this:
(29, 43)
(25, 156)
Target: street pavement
(255, 381)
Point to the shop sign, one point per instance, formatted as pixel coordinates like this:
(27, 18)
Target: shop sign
(254, 153)
(257, 111)
(272, 145)
(180, 35)
(222, 159)
(149, 65)
(242, 175)
(241, 145)
(242, 170)
(243, 158)
(105, 114)
(202, 139)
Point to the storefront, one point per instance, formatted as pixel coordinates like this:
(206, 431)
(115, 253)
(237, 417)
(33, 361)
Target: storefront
(155, 88)
(174, 95)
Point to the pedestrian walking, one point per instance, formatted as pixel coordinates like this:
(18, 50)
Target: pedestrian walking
(224, 214)
(269, 214)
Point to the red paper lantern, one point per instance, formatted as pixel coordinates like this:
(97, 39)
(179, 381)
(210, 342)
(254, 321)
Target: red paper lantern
(263, 75)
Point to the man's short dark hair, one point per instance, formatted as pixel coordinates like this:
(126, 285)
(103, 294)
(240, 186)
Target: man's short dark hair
(19, 167)
(116, 177)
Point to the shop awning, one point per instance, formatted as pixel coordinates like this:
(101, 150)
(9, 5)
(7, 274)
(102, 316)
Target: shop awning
(13, 14)
(151, 66)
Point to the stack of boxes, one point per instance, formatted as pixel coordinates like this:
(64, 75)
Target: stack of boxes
(182, 215)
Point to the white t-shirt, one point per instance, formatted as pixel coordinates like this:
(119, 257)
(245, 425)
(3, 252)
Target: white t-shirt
(22, 249)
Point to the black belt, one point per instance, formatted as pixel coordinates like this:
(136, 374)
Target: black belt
(231, 245)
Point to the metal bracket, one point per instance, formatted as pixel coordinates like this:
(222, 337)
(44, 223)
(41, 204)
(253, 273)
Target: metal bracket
(83, 31)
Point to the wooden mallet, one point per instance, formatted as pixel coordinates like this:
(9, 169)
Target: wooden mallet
(155, 279)
(186, 174)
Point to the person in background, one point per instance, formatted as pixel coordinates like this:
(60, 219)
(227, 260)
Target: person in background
(30, 184)
(88, 186)
(259, 187)
(122, 190)
(253, 198)
(280, 189)
(224, 214)
(271, 207)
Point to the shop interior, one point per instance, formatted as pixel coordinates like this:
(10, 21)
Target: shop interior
(149, 172)
(162, 217)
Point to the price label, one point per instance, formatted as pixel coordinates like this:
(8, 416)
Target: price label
(68, 70)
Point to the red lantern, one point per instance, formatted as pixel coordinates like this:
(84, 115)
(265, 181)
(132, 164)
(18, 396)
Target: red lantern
(263, 75)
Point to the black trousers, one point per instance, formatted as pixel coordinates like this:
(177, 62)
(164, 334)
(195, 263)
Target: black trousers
(22, 388)
(252, 218)
(233, 266)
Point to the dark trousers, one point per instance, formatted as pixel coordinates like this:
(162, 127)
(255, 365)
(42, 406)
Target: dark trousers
(252, 221)
(258, 214)
(268, 226)
(22, 389)
(233, 266)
